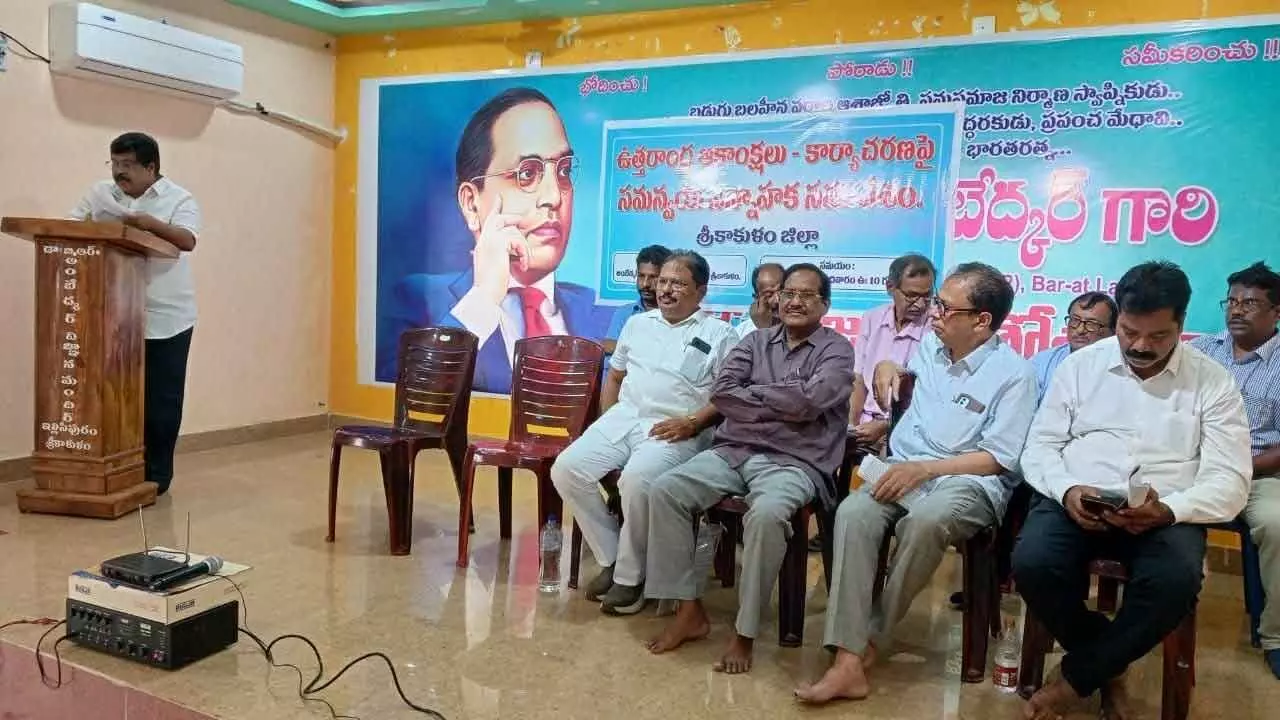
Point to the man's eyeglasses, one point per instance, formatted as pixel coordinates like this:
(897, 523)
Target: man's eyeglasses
(805, 296)
(916, 298)
(943, 309)
(528, 174)
(1249, 305)
(125, 165)
(677, 286)
(1089, 326)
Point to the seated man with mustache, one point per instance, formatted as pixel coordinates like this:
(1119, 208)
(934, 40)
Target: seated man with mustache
(1140, 442)
(656, 415)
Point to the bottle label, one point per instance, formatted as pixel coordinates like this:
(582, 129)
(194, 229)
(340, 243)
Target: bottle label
(1005, 676)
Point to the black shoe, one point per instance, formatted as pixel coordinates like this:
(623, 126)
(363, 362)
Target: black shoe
(815, 543)
(957, 600)
(1273, 661)
(623, 600)
(600, 585)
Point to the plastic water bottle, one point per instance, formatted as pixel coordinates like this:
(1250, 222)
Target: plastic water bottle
(1009, 650)
(550, 542)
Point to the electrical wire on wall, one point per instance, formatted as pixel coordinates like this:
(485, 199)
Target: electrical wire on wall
(24, 51)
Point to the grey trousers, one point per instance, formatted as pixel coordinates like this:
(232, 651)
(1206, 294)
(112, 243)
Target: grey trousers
(955, 510)
(1263, 517)
(774, 492)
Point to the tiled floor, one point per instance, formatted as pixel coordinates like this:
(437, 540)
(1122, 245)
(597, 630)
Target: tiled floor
(483, 643)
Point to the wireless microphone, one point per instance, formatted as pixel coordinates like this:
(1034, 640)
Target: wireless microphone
(209, 566)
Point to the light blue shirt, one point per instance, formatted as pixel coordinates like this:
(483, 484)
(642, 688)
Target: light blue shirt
(1044, 363)
(983, 402)
(1258, 376)
(620, 318)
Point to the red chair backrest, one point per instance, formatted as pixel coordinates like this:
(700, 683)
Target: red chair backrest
(554, 387)
(433, 387)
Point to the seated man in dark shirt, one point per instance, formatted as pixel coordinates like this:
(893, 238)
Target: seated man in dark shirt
(784, 394)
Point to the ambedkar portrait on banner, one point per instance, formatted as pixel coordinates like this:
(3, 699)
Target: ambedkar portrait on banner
(514, 174)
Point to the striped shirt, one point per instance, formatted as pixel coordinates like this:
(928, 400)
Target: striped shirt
(1258, 376)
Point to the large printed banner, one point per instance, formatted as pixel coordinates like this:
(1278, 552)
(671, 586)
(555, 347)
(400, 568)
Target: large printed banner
(514, 202)
(847, 191)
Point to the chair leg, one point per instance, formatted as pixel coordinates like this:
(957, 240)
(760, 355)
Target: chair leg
(882, 567)
(464, 510)
(726, 558)
(792, 583)
(504, 502)
(827, 529)
(1254, 594)
(549, 502)
(575, 557)
(335, 461)
(1035, 645)
(399, 491)
(1179, 670)
(979, 585)
(456, 450)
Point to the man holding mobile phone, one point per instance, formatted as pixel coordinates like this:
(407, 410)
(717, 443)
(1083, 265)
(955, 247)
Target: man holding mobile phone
(1141, 399)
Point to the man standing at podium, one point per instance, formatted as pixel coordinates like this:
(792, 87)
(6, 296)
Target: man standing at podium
(139, 196)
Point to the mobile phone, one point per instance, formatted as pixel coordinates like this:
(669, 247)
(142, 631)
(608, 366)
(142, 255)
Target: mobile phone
(1105, 500)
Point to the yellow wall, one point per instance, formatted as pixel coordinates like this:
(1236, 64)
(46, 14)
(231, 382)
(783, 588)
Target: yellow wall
(751, 26)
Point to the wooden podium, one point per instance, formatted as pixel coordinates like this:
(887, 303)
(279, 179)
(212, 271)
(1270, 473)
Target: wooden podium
(90, 315)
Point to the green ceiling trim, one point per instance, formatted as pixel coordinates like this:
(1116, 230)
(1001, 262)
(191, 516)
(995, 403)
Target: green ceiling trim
(338, 18)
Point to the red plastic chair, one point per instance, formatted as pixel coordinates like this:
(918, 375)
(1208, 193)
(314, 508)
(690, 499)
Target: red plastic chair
(554, 394)
(433, 394)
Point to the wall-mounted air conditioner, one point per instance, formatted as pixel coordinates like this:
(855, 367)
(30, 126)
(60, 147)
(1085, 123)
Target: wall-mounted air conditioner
(95, 42)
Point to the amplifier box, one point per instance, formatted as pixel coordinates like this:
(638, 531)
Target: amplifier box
(146, 641)
(167, 629)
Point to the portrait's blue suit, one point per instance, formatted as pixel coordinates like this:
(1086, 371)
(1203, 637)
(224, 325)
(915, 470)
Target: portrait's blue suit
(426, 300)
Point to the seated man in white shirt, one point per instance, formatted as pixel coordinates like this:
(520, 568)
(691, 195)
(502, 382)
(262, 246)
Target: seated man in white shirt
(656, 415)
(766, 280)
(1153, 425)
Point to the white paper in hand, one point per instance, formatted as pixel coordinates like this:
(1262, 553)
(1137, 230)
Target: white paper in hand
(873, 468)
(1138, 488)
(104, 206)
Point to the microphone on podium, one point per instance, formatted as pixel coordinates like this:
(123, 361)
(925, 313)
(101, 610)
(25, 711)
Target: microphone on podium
(209, 566)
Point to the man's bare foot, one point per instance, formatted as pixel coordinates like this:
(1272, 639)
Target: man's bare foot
(1051, 701)
(1115, 701)
(690, 623)
(737, 657)
(846, 679)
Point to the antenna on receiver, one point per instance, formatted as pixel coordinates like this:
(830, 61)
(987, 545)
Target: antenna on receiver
(146, 547)
(186, 550)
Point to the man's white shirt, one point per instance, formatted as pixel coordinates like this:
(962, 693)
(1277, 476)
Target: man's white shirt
(1184, 431)
(670, 368)
(171, 293)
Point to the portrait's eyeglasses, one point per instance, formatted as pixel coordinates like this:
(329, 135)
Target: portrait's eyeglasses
(1089, 326)
(806, 296)
(1249, 305)
(528, 174)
